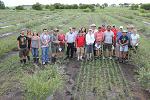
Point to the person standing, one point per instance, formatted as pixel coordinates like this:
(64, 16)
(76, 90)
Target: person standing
(108, 42)
(117, 48)
(123, 41)
(90, 38)
(22, 46)
(80, 43)
(29, 36)
(70, 41)
(134, 40)
(99, 37)
(35, 45)
(45, 39)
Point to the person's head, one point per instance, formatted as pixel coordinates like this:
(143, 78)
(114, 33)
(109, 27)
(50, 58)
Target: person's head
(45, 30)
(114, 26)
(124, 32)
(108, 28)
(29, 32)
(22, 32)
(35, 34)
(93, 26)
(90, 31)
(83, 29)
(103, 25)
(134, 31)
(70, 29)
(121, 28)
(99, 29)
(73, 29)
(130, 28)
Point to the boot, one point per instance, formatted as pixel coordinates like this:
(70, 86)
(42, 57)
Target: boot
(28, 57)
(37, 60)
(34, 60)
(24, 60)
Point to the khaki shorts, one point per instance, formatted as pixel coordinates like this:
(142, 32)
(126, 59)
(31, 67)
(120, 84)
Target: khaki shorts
(107, 46)
(23, 52)
(80, 50)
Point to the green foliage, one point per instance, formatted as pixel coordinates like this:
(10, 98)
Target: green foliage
(42, 84)
(86, 10)
(145, 6)
(19, 8)
(134, 6)
(37, 6)
(2, 5)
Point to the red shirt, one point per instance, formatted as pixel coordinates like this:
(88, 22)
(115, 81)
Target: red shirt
(103, 29)
(80, 41)
(99, 36)
(61, 39)
(115, 31)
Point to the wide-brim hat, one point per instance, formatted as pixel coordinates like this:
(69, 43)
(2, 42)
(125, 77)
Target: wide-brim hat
(93, 25)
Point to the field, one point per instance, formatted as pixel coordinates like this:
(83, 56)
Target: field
(73, 80)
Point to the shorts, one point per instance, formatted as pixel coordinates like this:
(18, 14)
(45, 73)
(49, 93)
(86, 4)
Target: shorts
(23, 52)
(80, 50)
(107, 46)
(89, 48)
(124, 48)
(98, 46)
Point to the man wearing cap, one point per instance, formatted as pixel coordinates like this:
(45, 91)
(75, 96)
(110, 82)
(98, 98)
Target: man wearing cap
(119, 34)
(70, 40)
(22, 46)
(108, 42)
(94, 30)
(123, 41)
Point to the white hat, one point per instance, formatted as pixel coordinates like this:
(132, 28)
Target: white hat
(124, 31)
(121, 27)
(90, 29)
(93, 25)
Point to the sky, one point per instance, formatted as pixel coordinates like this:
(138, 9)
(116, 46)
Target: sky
(30, 2)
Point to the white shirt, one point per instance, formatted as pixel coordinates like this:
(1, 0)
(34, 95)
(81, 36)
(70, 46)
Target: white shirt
(70, 37)
(90, 38)
(108, 37)
(134, 39)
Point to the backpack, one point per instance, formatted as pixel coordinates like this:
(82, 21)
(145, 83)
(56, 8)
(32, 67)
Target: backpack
(61, 37)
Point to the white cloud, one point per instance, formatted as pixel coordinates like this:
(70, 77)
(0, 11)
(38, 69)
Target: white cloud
(30, 2)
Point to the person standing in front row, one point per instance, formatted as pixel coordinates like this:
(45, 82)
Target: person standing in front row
(108, 42)
(70, 40)
(90, 38)
(35, 45)
(22, 47)
(29, 36)
(45, 39)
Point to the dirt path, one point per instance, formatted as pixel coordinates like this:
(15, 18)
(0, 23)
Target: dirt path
(138, 92)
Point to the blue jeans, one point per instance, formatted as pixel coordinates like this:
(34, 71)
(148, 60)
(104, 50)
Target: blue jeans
(45, 54)
(35, 52)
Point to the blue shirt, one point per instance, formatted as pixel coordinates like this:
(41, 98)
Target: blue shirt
(119, 34)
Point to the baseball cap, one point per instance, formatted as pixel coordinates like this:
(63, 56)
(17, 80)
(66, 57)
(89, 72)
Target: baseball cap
(121, 27)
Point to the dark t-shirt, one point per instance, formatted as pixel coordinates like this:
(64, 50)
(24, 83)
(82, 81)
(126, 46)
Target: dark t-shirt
(29, 42)
(123, 39)
(22, 41)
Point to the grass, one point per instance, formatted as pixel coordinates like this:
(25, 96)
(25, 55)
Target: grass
(104, 78)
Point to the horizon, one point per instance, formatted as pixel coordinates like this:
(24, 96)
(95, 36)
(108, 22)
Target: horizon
(12, 3)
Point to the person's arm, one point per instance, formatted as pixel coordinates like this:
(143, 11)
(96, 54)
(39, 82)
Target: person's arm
(18, 44)
(38, 42)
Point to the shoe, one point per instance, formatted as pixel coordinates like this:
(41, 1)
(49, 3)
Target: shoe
(43, 63)
(103, 58)
(110, 58)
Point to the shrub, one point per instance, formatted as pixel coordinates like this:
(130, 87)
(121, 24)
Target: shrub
(2, 5)
(37, 6)
(86, 10)
(19, 8)
(145, 6)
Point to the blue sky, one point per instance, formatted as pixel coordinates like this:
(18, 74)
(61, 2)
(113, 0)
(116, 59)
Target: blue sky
(30, 2)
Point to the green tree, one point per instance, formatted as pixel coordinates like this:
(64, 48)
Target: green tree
(19, 8)
(134, 6)
(145, 6)
(37, 6)
(2, 5)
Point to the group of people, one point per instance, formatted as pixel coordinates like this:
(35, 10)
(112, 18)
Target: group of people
(102, 42)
